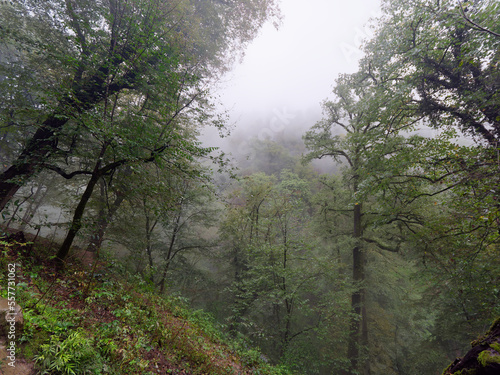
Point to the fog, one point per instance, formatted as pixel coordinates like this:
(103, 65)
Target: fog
(286, 73)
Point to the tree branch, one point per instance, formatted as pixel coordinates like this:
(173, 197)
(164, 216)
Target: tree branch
(381, 245)
(67, 176)
(475, 25)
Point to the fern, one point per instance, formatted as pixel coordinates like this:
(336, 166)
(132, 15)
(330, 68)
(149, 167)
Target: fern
(72, 356)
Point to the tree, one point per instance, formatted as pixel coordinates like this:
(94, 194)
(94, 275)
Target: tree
(192, 214)
(153, 73)
(112, 194)
(168, 140)
(278, 271)
(443, 63)
(433, 61)
(368, 139)
(163, 220)
(84, 54)
(439, 61)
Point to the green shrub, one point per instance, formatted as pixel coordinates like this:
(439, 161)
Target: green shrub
(72, 356)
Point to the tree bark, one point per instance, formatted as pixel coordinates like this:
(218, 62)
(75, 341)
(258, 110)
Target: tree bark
(28, 162)
(76, 223)
(483, 358)
(358, 326)
(103, 221)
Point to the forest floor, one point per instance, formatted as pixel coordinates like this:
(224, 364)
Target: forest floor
(22, 366)
(96, 318)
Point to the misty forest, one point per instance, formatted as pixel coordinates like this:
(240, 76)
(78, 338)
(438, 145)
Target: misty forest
(363, 241)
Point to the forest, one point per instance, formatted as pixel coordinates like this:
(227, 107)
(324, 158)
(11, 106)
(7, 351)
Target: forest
(364, 243)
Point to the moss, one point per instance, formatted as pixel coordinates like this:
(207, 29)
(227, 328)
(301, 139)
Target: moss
(446, 370)
(466, 371)
(494, 325)
(496, 346)
(480, 340)
(488, 356)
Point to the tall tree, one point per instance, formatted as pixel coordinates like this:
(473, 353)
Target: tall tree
(441, 60)
(83, 53)
(143, 135)
(435, 61)
(360, 133)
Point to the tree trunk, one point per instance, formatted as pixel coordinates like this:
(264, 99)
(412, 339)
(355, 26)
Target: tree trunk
(84, 95)
(288, 326)
(358, 327)
(149, 232)
(103, 221)
(31, 158)
(171, 247)
(76, 224)
(105, 218)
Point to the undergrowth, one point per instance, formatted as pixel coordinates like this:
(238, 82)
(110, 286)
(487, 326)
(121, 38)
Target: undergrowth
(76, 323)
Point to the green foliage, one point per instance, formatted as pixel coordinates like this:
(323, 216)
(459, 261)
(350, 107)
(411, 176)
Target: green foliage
(57, 320)
(121, 325)
(422, 45)
(282, 285)
(72, 356)
(430, 202)
(122, 94)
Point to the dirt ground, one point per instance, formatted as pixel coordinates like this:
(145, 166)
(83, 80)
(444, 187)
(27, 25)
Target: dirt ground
(21, 366)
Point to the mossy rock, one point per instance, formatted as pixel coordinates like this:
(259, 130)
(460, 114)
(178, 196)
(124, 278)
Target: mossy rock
(483, 358)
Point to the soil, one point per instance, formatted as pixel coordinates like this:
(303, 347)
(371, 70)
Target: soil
(83, 258)
(21, 366)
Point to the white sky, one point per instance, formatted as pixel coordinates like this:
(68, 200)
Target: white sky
(295, 67)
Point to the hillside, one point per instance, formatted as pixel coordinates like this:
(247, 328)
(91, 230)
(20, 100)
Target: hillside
(95, 319)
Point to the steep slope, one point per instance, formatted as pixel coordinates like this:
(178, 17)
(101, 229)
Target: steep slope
(96, 319)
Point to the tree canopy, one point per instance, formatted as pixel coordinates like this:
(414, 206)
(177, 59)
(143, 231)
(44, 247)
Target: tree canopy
(82, 59)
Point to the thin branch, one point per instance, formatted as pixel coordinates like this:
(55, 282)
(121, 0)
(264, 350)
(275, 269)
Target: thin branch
(381, 245)
(476, 26)
(66, 175)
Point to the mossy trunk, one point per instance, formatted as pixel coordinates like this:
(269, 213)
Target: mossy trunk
(483, 358)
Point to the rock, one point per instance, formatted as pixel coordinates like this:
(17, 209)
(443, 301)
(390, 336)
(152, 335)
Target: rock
(11, 318)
